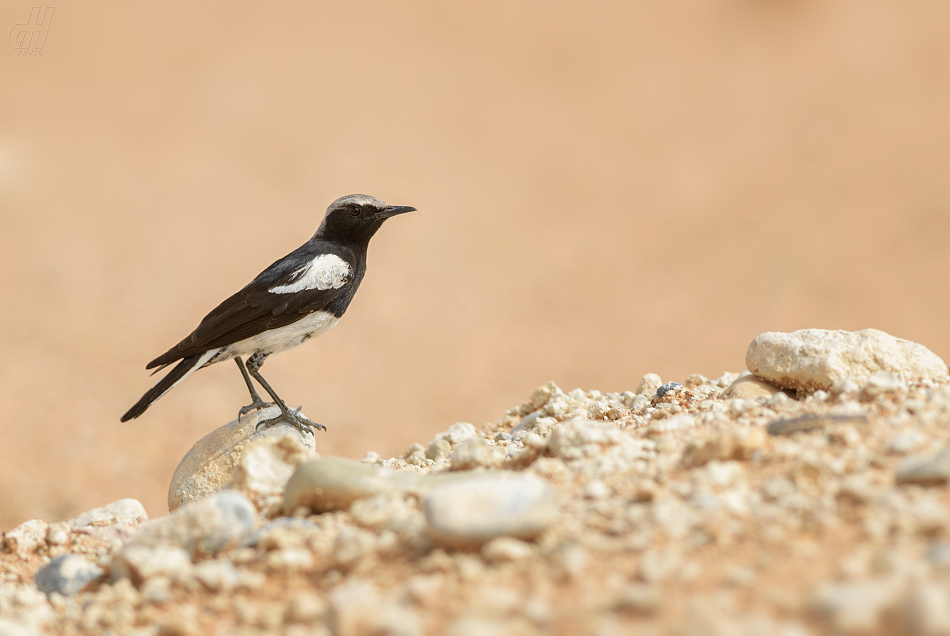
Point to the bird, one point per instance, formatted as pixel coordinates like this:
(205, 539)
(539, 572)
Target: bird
(298, 297)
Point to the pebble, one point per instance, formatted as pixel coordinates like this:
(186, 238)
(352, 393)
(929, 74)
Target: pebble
(439, 449)
(807, 423)
(202, 528)
(265, 467)
(570, 436)
(58, 533)
(352, 545)
(932, 470)
(926, 611)
(26, 538)
(217, 575)
(208, 467)
(857, 606)
(16, 628)
(334, 483)
(127, 511)
(812, 359)
(749, 387)
(283, 532)
(639, 598)
(67, 575)
(506, 550)
(357, 608)
(457, 433)
(670, 387)
(906, 441)
(649, 384)
(465, 514)
(474, 452)
(139, 563)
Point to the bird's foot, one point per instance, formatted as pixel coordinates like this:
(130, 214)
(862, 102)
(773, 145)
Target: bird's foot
(295, 418)
(256, 405)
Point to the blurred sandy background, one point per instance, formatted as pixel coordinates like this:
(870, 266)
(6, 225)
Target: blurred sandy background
(605, 190)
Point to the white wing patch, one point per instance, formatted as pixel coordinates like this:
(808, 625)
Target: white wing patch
(327, 271)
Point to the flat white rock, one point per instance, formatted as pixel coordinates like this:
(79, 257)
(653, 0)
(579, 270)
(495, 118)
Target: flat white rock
(467, 513)
(812, 359)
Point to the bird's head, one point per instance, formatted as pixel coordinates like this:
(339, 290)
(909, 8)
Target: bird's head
(356, 217)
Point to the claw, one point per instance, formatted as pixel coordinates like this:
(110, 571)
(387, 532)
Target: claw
(254, 406)
(296, 419)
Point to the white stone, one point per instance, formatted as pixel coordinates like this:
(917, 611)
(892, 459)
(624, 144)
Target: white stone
(129, 511)
(140, 563)
(467, 513)
(202, 527)
(27, 537)
(813, 359)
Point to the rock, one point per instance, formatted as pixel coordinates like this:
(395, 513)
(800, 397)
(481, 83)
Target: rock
(58, 533)
(639, 598)
(290, 560)
(218, 575)
(333, 483)
(669, 387)
(883, 383)
(351, 545)
(467, 513)
(356, 608)
(265, 467)
(749, 387)
(305, 607)
(813, 359)
(474, 452)
(439, 449)
(67, 575)
(138, 563)
(16, 628)
(570, 438)
(26, 538)
(506, 550)
(856, 607)
(208, 467)
(457, 433)
(649, 384)
(807, 423)
(202, 528)
(933, 470)
(906, 441)
(127, 511)
(926, 611)
(284, 532)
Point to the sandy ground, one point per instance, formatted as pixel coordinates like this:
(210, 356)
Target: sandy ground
(603, 191)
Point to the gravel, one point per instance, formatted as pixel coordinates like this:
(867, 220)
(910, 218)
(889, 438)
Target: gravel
(578, 512)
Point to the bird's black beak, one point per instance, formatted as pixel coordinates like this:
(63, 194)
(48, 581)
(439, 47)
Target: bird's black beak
(393, 210)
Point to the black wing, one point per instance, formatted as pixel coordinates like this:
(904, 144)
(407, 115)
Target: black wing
(254, 309)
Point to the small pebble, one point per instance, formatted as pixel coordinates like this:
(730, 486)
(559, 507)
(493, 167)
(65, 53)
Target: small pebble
(129, 511)
(202, 527)
(467, 513)
(932, 470)
(67, 575)
(670, 387)
(334, 483)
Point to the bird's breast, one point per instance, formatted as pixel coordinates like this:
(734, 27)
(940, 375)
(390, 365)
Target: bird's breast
(286, 337)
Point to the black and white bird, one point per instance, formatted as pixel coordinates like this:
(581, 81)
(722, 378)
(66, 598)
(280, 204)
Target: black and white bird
(299, 297)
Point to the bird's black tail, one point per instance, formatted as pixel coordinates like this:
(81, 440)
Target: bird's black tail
(176, 375)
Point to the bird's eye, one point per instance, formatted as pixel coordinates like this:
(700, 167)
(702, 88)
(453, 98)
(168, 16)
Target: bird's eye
(355, 210)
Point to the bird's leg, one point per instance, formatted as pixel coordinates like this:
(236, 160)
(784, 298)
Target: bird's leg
(256, 401)
(292, 416)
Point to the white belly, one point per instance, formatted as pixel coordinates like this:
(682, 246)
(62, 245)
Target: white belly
(282, 338)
